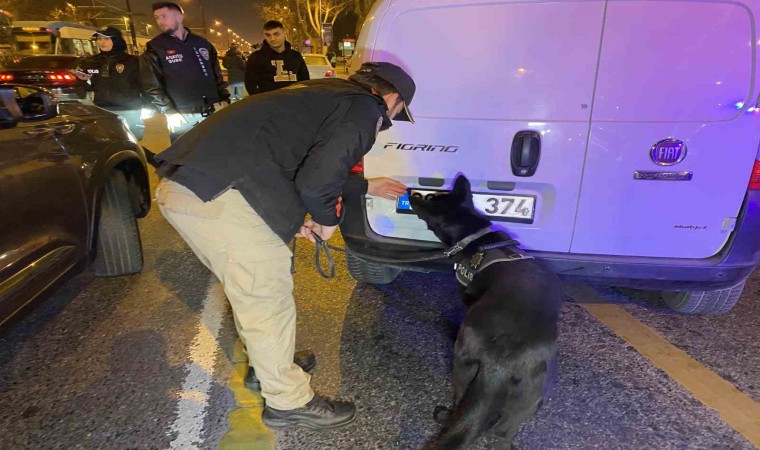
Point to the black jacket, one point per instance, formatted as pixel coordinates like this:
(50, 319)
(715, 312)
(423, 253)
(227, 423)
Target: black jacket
(235, 65)
(115, 80)
(288, 152)
(178, 75)
(261, 71)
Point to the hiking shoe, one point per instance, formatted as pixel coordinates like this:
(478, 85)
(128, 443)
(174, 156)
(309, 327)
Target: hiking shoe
(319, 414)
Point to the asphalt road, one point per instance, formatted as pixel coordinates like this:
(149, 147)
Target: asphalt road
(150, 361)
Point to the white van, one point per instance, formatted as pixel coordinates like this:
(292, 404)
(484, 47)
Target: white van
(616, 140)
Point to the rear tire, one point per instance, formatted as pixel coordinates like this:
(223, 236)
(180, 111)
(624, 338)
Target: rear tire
(706, 303)
(119, 249)
(370, 272)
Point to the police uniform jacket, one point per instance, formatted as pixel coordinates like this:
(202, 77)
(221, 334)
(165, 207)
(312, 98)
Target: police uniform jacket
(182, 76)
(267, 70)
(288, 152)
(115, 80)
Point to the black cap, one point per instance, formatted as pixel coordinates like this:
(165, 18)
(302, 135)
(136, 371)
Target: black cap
(399, 79)
(109, 32)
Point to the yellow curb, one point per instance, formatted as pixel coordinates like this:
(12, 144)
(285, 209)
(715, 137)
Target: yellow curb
(244, 397)
(238, 353)
(247, 431)
(736, 408)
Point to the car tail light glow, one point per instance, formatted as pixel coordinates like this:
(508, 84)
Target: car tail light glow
(6, 77)
(754, 180)
(329, 73)
(359, 168)
(65, 77)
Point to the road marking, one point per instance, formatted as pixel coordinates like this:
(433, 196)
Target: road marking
(194, 396)
(736, 409)
(247, 430)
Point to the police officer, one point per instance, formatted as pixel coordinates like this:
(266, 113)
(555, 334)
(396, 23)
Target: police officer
(237, 188)
(181, 72)
(114, 77)
(275, 65)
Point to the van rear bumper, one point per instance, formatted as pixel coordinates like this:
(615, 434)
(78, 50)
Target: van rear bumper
(730, 266)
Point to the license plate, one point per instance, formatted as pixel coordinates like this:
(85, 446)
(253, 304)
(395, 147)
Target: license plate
(507, 208)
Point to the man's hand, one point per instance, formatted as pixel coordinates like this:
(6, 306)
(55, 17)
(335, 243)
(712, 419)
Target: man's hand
(310, 227)
(385, 187)
(174, 121)
(147, 113)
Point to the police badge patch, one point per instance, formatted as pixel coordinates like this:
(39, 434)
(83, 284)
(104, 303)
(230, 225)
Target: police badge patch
(204, 53)
(120, 68)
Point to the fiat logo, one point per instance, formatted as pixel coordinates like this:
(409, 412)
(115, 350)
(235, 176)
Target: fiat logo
(668, 152)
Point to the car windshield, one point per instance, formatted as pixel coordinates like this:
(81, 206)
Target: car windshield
(316, 61)
(45, 62)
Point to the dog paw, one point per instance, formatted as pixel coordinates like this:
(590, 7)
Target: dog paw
(441, 414)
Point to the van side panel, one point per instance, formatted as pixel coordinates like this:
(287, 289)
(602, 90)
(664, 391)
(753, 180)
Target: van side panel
(670, 69)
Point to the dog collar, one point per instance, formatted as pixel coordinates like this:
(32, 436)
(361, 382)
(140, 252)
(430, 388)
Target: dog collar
(461, 245)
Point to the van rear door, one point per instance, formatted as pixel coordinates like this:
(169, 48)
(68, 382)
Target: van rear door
(675, 129)
(486, 71)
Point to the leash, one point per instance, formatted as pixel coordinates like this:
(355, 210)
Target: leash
(322, 247)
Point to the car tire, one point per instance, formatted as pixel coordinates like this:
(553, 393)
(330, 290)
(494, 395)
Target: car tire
(706, 303)
(118, 245)
(370, 272)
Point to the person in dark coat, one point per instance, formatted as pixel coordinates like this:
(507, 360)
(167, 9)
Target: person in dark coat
(235, 65)
(114, 78)
(181, 73)
(237, 188)
(275, 65)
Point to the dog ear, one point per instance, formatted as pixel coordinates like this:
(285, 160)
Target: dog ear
(462, 189)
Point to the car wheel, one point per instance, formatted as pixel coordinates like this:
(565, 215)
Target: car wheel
(708, 303)
(369, 272)
(119, 250)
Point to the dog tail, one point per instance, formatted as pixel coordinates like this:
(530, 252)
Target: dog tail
(477, 412)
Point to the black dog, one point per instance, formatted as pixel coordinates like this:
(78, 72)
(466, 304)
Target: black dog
(505, 351)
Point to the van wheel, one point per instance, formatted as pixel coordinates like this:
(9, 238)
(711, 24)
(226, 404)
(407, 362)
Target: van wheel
(369, 272)
(708, 303)
(119, 250)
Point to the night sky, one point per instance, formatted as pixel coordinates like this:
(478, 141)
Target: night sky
(240, 15)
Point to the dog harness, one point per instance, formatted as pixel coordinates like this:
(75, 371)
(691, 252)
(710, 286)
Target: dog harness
(485, 256)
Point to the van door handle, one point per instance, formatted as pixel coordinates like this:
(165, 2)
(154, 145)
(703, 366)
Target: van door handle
(526, 153)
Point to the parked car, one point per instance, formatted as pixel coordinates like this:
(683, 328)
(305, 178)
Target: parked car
(53, 72)
(613, 152)
(319, 66)
(73, 180)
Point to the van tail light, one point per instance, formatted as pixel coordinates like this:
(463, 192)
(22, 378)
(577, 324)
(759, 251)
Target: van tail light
(62, 77)
(754, 180)
(359, 168)
(329, 73)
(6, 77)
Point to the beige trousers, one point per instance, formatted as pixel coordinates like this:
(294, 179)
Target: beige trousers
(253, 265)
